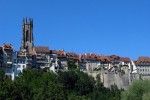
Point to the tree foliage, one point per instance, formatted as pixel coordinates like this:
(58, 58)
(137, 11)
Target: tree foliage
(139, 90)
(35, 84)
(72, 64)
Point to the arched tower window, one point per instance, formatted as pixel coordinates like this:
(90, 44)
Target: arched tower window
(27, 35)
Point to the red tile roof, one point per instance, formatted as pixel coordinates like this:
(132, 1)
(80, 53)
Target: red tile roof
(114, 58)
(143, 60)
(72, 55)
(81, 60)
(104, 58)
(60, 53)
(42, 49)
(125, 59)
(7, 46)
(31, 52)
(90, 56)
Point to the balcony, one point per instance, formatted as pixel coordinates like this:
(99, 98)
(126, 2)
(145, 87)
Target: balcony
(44, 66)
(21, 54)
(9, 62)
(39, 57)
(8, 65)
(41, 61)
(8, 74)
(9, 54)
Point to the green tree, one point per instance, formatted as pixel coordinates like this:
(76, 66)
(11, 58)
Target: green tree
(21, 90)
(6, 87)
(146, 96)
(49, 88)
(2, 74)
(68, 79)
(138, 90)
(99, 84)
(85, 83)
(72, 64)
(76, 82)
(36, 84)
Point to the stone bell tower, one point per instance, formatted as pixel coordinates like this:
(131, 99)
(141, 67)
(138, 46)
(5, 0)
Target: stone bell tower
(27, 34)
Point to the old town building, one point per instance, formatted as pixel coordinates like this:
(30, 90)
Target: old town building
(6, 57)
(143, 65)
(30, 56)
(61, 58)
(42, 57)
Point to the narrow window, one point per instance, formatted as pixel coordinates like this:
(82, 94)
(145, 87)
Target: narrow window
(27, 35)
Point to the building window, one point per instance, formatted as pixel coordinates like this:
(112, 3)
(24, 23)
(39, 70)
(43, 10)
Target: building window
(19, 66)
(18, 61)
(23, 61)
(23, 66)
(27, 35)
(14, 65)
(15, 60)
(140, 69)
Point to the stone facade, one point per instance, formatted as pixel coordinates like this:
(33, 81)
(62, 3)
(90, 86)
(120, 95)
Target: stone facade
(123, 81)
(27, 34)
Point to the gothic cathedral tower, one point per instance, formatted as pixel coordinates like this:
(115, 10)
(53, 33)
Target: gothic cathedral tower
(27, 34)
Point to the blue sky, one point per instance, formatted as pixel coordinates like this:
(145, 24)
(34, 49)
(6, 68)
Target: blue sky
(120, 27)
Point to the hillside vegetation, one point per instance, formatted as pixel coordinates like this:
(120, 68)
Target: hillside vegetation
(34, 84)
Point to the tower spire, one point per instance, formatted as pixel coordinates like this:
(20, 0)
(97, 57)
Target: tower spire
(27, 34)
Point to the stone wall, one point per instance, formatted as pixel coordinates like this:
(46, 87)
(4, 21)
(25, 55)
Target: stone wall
(111, 78)
(144, 77)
